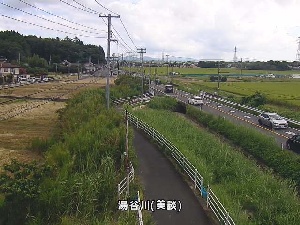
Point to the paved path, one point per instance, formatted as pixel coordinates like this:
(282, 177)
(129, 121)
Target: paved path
(162, 182)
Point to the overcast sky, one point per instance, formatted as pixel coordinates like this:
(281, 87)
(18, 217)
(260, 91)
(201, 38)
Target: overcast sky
(199, 29)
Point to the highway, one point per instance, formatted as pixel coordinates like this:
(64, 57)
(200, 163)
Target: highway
(237, 116)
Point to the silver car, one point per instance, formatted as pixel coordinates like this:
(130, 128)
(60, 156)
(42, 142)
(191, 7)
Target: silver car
(272, 120)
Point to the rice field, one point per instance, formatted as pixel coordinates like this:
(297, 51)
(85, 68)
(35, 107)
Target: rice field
(285, 91)
(207, 71)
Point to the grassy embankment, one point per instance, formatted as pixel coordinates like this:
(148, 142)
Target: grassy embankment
(252, 195)
(77, 184)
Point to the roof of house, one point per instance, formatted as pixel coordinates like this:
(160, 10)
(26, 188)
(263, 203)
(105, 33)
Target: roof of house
(8, 65)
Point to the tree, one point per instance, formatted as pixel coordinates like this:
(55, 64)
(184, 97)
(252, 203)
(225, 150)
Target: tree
(255, 100)
(36, 61)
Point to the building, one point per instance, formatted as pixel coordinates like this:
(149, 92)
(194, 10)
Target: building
(8, 68)
(296, 76)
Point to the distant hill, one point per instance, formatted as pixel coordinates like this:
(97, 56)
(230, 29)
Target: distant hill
(14, 45)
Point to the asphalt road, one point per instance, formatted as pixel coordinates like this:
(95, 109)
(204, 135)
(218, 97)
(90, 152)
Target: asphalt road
(162, 182)
(237, 116)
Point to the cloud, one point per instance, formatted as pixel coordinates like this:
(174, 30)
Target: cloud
(261, 29)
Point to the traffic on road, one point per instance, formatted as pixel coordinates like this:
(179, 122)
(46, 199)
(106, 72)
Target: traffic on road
(268, 123)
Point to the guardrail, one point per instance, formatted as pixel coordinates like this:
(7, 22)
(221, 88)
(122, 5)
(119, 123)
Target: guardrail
(124, 184)
(134, 100)
(212, 201)
(235, 105)
(249, 108)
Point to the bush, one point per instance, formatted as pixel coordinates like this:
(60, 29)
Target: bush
(167, 103)
(254, 100)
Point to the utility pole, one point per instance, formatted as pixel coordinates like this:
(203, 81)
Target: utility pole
(142, 51)
(109, 16)
(55, 68)
(241, 66)
(167, 65)
(78, 70)
(219, 72)
(218, 75)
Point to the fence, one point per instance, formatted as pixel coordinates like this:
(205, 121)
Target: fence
(212, 201)
(124, 184)
(241, 107)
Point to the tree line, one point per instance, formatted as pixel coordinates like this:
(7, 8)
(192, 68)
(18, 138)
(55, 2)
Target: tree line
(257, 65)
(45, 53)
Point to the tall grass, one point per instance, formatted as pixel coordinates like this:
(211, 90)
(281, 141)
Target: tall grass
(86, 157)
(263, 148)
(251, 195)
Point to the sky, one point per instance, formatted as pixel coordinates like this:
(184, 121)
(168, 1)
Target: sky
(197, 29)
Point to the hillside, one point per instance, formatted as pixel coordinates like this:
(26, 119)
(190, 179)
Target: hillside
(14, 45)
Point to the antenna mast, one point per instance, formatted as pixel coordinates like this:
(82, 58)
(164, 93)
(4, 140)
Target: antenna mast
(298, 50)
(235, 57)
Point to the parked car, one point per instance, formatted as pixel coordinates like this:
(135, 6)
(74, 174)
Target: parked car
(31, 80)
(23, 80)
(293, 143)
(195, 100)
(272, 120)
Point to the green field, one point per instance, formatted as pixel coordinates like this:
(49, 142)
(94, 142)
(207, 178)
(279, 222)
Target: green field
(208, 71)
(287, 91)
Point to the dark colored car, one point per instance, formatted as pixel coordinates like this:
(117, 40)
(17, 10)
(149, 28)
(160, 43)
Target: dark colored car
(168, 88)
(293, 143)
(157, 81)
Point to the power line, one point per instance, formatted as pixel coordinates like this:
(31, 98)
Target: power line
(48, 28)
(51, 21)
(86, 7)
(52, 14)
(77, 7)
(127, 33)
(112, 34)
(121, 37)
(95, 12)
(106, 8)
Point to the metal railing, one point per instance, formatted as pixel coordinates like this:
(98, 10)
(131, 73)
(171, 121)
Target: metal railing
(124, 184)
(232, 104)
(212, 201)
(218, 209)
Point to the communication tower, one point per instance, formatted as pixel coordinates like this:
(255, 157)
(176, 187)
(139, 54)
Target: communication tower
(235, 57)
(298, 50)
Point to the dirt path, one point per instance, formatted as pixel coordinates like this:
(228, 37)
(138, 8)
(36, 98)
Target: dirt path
(162, 182)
